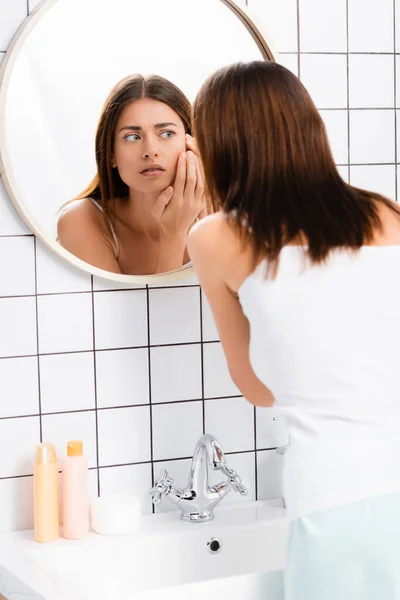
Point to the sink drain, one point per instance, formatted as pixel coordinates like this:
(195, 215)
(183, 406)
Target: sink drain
(214, 545)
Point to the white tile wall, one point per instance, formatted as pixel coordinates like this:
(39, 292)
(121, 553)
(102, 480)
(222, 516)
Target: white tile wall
(139, 374)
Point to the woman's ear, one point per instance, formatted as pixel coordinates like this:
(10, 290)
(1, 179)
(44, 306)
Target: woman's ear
(113, 162)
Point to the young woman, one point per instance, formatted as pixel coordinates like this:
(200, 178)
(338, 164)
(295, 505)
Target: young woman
(135, 215)
(302, 272)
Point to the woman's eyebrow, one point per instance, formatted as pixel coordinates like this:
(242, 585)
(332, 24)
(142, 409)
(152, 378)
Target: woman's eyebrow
(161, 125)
(131, 128)
(157, 126)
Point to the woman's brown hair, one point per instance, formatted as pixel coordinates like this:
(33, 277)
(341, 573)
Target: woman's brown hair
(268, 164)
(107, 184)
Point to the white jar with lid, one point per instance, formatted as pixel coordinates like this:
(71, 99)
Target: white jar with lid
(117, 514)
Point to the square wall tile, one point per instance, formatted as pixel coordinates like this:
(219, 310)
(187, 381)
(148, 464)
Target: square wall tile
(231, 421)
(175, 373)
(290, 61)
(17, 275)
(371, 26)
(372, 136)
(244, 465)
(176, 429)
(10, 221)
(217, 380)
(120, 319)
(397, 59)
(178, 471)
(272, 431)
(210, 332)
(12, 15)
(371, 81)
(278, 21)
(62, 428)
(325, 78)
(323, 26)
(67, 382)
(131, 479)
(269, 474)
(174, 315)
(16, 501)
(18, 440)
(19, 387)
(124, 435)
(337, 130)
(122, 377)
(55, 276)
(376, 178)
(65, 323)
(18, 326)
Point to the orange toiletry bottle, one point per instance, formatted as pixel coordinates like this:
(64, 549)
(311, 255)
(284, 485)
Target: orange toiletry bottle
(45, 494)
(75, 493)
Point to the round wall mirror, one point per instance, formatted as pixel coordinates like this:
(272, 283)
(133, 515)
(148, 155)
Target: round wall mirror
(94, 113)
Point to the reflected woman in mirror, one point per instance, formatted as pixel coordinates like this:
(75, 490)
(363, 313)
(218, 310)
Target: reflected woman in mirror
(302, 273)
(135, 215)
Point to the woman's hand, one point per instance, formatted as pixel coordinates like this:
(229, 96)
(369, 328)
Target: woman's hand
(178, 207)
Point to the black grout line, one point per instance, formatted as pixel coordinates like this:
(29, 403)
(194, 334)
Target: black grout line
(27, 8)
(119, 407)
(95, 389)
(395, 99)
(153, 508)
(326, 53)
(66, 352)
(182, 287)
(37, 342)
(148, 462)
(202, 360)
(17, 235)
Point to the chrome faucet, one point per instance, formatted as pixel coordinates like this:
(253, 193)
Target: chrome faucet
(198, 500)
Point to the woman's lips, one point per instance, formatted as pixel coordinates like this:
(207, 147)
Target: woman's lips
(152, 172)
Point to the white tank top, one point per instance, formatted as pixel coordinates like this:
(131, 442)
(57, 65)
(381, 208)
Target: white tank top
(325, 340)
(117, 248)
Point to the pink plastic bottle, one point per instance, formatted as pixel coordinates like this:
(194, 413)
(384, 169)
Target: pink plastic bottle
(75, 492)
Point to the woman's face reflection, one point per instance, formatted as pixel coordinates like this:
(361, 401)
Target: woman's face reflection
(148, 140)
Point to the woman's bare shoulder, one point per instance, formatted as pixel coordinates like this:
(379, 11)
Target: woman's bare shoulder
(214, 232)
(83, 207)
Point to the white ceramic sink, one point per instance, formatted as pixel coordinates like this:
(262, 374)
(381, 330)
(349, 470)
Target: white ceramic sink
(165, 556)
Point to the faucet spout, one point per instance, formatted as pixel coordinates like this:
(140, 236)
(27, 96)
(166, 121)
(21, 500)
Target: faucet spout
(208, 453)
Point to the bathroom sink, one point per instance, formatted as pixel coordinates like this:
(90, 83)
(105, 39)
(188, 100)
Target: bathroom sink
(164, 554)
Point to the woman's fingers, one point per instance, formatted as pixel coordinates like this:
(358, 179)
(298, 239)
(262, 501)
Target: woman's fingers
(191, 143)
(191, 177)
(180, 178)
(200, 180)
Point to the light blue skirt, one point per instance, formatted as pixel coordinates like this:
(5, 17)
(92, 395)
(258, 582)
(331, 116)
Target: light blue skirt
(349, 552)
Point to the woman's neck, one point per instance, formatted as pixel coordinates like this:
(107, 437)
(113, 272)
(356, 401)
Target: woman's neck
(136, 212)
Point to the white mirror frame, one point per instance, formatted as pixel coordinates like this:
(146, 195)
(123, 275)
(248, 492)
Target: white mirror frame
(6, 171)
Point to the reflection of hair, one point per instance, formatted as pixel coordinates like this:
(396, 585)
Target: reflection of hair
(107, 184)
(268, 164)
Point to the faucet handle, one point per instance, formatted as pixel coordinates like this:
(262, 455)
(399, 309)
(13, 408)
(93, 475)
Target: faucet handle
(161, 486)
(235, 480)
